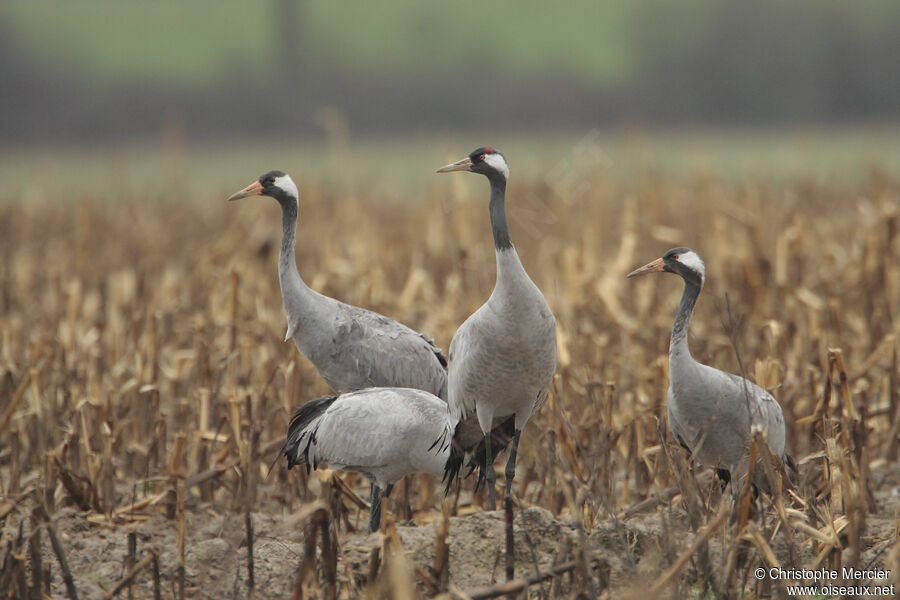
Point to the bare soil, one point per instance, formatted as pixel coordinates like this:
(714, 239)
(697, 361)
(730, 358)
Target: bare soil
(631, 552)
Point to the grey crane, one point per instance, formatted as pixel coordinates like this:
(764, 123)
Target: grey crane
(711, 412)
(384, 433)
(503, 357)
(352, 348)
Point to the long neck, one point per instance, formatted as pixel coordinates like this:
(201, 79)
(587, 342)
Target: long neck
(292, 285)
(678, 345)
(513, 285)
(498, 213)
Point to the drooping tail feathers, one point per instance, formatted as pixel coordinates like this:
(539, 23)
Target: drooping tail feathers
(501, 436)
(299, 435)
(454, 463)
(789, 462)
(465, 443)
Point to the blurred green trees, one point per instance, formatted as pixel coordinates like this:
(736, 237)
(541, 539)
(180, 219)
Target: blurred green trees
(105, 68)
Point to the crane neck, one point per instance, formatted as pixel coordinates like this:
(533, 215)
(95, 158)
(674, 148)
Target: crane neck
(288, 275)
(678, 345)
(498, 213)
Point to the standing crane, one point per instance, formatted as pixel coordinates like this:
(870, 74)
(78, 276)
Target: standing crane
(384, 433)
(711, 412)
(352, 348)
(503, 357)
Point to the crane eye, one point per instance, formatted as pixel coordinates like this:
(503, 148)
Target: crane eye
(675, 257)
(481, 157)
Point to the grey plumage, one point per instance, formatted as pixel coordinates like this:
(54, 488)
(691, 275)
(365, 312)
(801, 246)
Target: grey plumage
(384, 433)
(730, 406)
(352, 348)
(503, 357)
(710, 412)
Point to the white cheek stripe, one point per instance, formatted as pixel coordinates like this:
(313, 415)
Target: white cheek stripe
(693, 261)
(287, 184)
(497, 162)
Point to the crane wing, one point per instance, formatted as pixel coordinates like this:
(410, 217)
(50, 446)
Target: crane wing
(463, 367)
(765, 412)
(365, 349)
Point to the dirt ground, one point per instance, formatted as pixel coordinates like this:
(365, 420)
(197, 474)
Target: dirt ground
(631, 552)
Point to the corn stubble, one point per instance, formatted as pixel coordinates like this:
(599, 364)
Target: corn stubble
(142, 371)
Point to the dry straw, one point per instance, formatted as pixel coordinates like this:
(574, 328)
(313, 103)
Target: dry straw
(142, 373)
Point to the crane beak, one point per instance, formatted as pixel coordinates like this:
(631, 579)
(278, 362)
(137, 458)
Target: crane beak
(460, 165)
(254, 189)
(651, 267)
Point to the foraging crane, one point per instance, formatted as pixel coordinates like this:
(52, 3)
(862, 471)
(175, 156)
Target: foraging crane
(351, 348)
(384, 433)
(503, 357)
(711, 413)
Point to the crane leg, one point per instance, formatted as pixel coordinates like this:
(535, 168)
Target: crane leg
(375, 510)
(510, 540)
(508, 507)
(489, 473)
(511, 463)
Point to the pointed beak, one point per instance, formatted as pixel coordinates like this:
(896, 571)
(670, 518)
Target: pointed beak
(254, 189)
(651, 267)
(460, 165)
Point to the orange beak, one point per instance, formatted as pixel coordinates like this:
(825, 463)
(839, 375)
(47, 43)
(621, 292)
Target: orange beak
(460, 165)
(254, 189)
(651, 267)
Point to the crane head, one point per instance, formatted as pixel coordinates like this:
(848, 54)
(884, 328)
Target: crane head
(484, 160)
(276, 184)
(681, 261)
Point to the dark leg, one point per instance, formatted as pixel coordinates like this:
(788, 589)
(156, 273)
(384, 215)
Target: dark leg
(735, 497)
(375, 510)
(388, 490)
(510, 541)
(511, 462)
(508, 508)
(489, 473)
(734, 510)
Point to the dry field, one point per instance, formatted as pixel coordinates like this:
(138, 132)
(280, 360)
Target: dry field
(145, 388)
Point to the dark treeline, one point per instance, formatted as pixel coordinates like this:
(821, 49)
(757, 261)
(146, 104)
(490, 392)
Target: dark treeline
(700, 62)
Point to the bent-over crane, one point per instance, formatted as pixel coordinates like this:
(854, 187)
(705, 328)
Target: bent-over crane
(384, 433)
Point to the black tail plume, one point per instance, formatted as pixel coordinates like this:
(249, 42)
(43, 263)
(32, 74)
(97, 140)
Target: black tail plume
(501, 436)
(297, 430)
(454, 462)
(789, 461)
(468, 440)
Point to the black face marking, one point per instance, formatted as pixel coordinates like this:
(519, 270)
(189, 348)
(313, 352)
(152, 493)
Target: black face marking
(268, 179)
(674, 253)
(477, 156)
(478, 161)
(672, 265)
